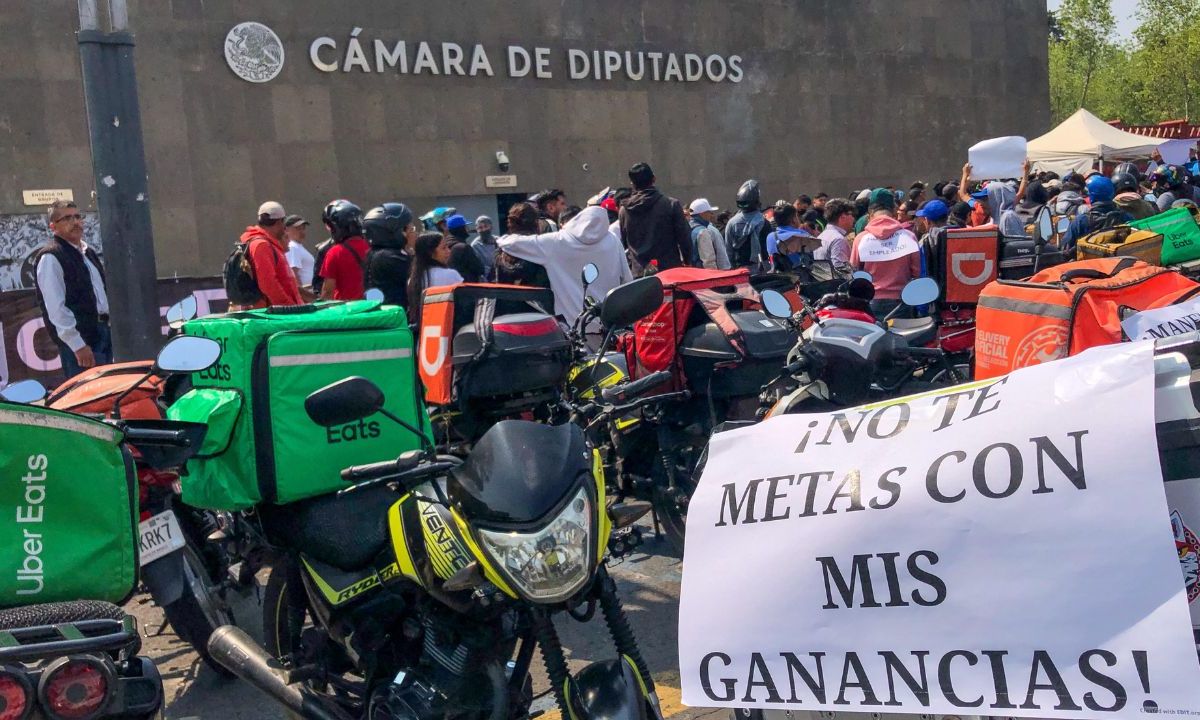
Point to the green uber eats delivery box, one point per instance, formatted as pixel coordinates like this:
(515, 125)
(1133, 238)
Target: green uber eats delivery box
(261, 446)
(69, 503)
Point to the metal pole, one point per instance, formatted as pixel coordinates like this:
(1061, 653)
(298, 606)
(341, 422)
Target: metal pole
(119, 170)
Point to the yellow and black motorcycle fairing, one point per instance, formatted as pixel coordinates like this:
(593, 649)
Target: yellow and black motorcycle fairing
(446, 538)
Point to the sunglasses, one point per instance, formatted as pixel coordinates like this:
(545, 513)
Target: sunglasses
(68, 218)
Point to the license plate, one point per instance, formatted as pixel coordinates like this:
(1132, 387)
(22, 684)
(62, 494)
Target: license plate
(158, 536)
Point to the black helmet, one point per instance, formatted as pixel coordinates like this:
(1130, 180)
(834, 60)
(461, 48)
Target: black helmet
(1124, 182)
(1127, 167)
(343, 218)
(384, 225)
(748, 197)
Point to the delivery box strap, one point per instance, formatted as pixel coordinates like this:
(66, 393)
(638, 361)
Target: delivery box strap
(1094, 274)
(56, 421)
(334, 358)
(1027, 307)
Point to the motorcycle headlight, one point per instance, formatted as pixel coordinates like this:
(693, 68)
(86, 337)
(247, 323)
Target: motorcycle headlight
(550, 564)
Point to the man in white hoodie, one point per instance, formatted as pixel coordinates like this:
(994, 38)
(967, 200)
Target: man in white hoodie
(564, 253)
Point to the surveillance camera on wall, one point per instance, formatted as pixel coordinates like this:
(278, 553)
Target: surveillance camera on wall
(502, 161)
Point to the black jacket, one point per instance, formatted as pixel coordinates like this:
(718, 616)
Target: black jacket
(387, 269)
(654, 228)
(465, 260)
(79, 297)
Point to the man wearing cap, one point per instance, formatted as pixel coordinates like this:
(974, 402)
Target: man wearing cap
(462, 257)
(931, 223)
(71, 292)
(295, 229)
(268, 258)
(484, 245)
(708, 247)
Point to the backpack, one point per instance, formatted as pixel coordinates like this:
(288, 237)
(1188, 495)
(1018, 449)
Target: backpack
(1064, 310)
(241, 286)
(1098, 221)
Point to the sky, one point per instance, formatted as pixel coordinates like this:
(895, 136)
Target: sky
(1123, 10)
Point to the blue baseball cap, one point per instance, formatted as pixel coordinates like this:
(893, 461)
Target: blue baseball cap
(980, 195)
(934, 210)
(456, 221)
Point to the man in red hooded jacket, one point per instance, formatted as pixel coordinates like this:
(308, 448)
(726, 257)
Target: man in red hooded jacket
(268, 256)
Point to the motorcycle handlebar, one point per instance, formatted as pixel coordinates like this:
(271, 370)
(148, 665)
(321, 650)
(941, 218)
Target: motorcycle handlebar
(154, 435)
(637, 388)
(370, 471)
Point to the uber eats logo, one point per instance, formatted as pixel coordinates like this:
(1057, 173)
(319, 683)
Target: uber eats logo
(350, 432)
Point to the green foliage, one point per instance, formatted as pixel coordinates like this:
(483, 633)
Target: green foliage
(1155, 76)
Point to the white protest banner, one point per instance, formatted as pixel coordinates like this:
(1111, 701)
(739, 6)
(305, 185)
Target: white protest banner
(1163, 322)
(998, 158)
(1002, 548)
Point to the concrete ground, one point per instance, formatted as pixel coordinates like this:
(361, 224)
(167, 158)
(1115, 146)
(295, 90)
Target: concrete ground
(648, 583)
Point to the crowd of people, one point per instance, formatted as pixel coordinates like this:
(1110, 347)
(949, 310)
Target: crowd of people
(891, 233)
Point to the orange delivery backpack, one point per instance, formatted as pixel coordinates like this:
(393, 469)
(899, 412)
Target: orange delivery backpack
(94, 391)
(1066, 309)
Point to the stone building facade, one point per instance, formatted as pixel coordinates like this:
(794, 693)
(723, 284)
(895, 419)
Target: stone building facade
(377, 100)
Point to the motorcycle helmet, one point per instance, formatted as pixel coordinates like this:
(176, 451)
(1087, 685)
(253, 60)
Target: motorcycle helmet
(1166, 176)
(1100, 189)
(435, 216)
(384, 225)
(343, 218)
(1127, 167)
(1124, 182)
(748, 196)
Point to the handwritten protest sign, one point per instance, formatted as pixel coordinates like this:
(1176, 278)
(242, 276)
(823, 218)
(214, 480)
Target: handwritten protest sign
(1000, 549)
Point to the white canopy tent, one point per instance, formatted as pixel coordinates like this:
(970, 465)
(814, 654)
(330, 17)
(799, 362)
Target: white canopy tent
(1082, 139)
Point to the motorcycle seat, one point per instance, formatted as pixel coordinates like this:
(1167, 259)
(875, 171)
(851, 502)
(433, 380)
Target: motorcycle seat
(917, 332)
(347, 531)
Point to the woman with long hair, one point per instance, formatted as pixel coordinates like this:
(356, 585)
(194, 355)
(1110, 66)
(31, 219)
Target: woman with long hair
(431, 255)
(511, 270)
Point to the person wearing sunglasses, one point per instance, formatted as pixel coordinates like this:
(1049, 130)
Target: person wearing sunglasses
(71, 292)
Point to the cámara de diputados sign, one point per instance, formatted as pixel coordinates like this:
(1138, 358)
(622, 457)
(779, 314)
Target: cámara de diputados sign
(255, 53)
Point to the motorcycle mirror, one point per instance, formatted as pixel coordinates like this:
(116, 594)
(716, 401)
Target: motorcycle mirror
(23, 392)
(344, 402)
(373, 294)
(590, 274)
(863, 274)
(1063, 224)
(861, 288)
(1045, 224)
(776, 304)
(632, 301)
(188, 353)
(921, 291)
(181, 312)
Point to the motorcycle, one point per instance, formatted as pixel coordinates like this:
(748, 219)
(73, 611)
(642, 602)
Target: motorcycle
(422, 590)
(651, 456)
(186, 574)
(80, 658)
(842, 361)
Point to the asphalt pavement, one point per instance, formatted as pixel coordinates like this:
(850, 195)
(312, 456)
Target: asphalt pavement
(648, 582)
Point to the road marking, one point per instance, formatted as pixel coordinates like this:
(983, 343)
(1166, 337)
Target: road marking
(669, 698)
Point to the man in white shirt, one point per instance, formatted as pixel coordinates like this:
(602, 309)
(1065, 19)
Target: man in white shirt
(71, 293)
(300, 260)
